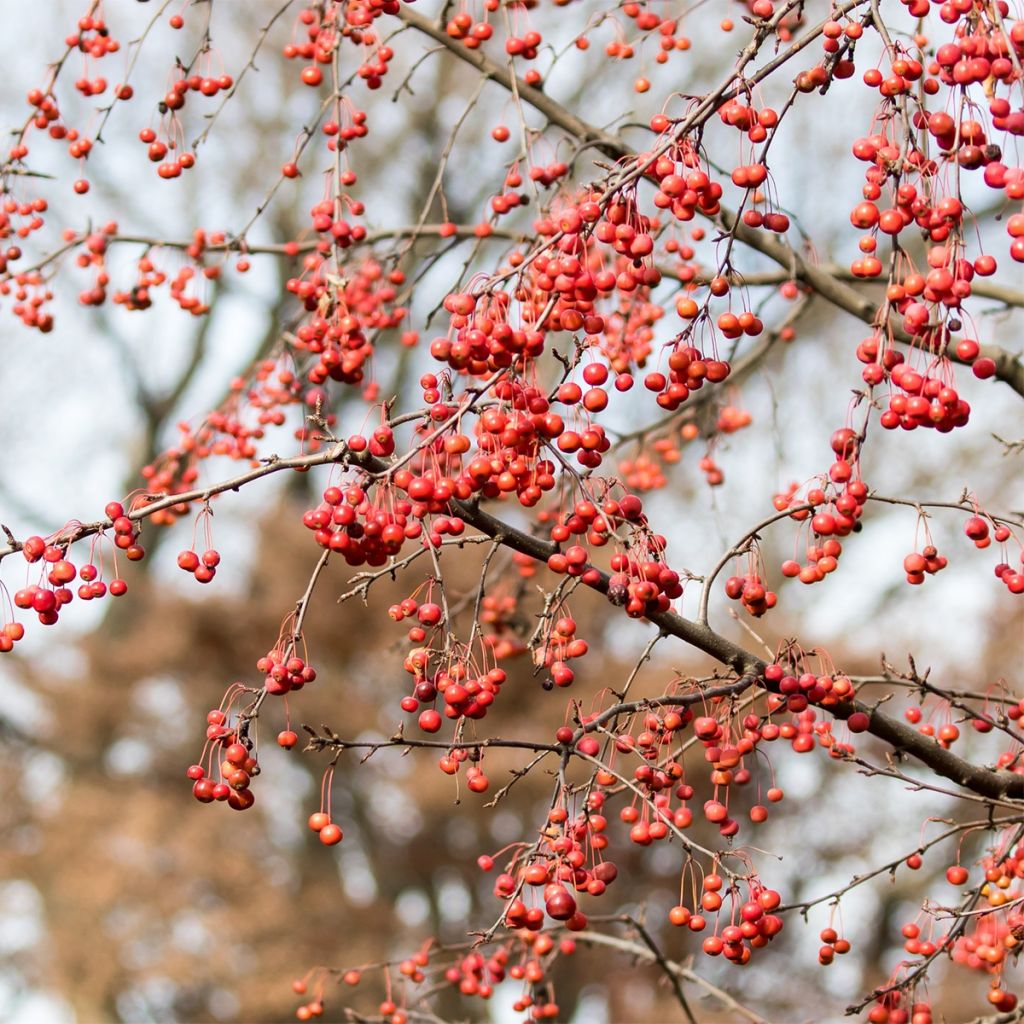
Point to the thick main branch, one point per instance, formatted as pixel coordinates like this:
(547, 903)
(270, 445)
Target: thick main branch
(902, 738)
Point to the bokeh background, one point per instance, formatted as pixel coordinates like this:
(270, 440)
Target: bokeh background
(121, 898)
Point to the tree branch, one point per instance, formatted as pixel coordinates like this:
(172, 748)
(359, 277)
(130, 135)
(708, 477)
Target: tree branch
(1009, 368)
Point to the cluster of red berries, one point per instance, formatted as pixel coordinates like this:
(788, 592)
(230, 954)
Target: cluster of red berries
(927, 401)
(329, 833)
(750, 591)
(509, 440)
(47, 600)
(10, 634)
(19, 220)
(344, 318)
(646, 21)
(896, 1008)
(93, 38)
(522, 956)
(913, 943)
(756, 928)
(481, 339)
(453, 761)
(93, 254)
(640, 586)
(326, 27)
(1011, 577)
(832, 944)
(596, 523)
(31, 294)
(725, 750)
(235, 770)
(822, 559)
(204, 568)
(363, 530)
(465, 693)
(714, 476)
(562, 868)
(285, 671)
(561, 646)
(993, 938)
(685, 188)
(758, 925)
(796, 690)
(548, 174)
(275, 387)
(984, 51)
(138, 297)
(469, 32)
(576, 276)
(928, 560)
(689, 368)
(973, 59)
(731, 418)
(205, 85)
(348, 123)
(627, 339)
(659, 783)
(977, 529)
(311, 1010)
(938, 217)
(530, 968)
(987, 943)
(46, 117)
(476, 975)
(846, 507)
(827, 527)
(621, 226)
(328, 219)
(524, 46)
(982, 533)
(179, 289)
(157, 150)
(373, 72)
(948, 733)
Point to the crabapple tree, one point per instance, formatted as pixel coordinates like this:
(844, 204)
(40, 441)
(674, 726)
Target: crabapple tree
(510, 394)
